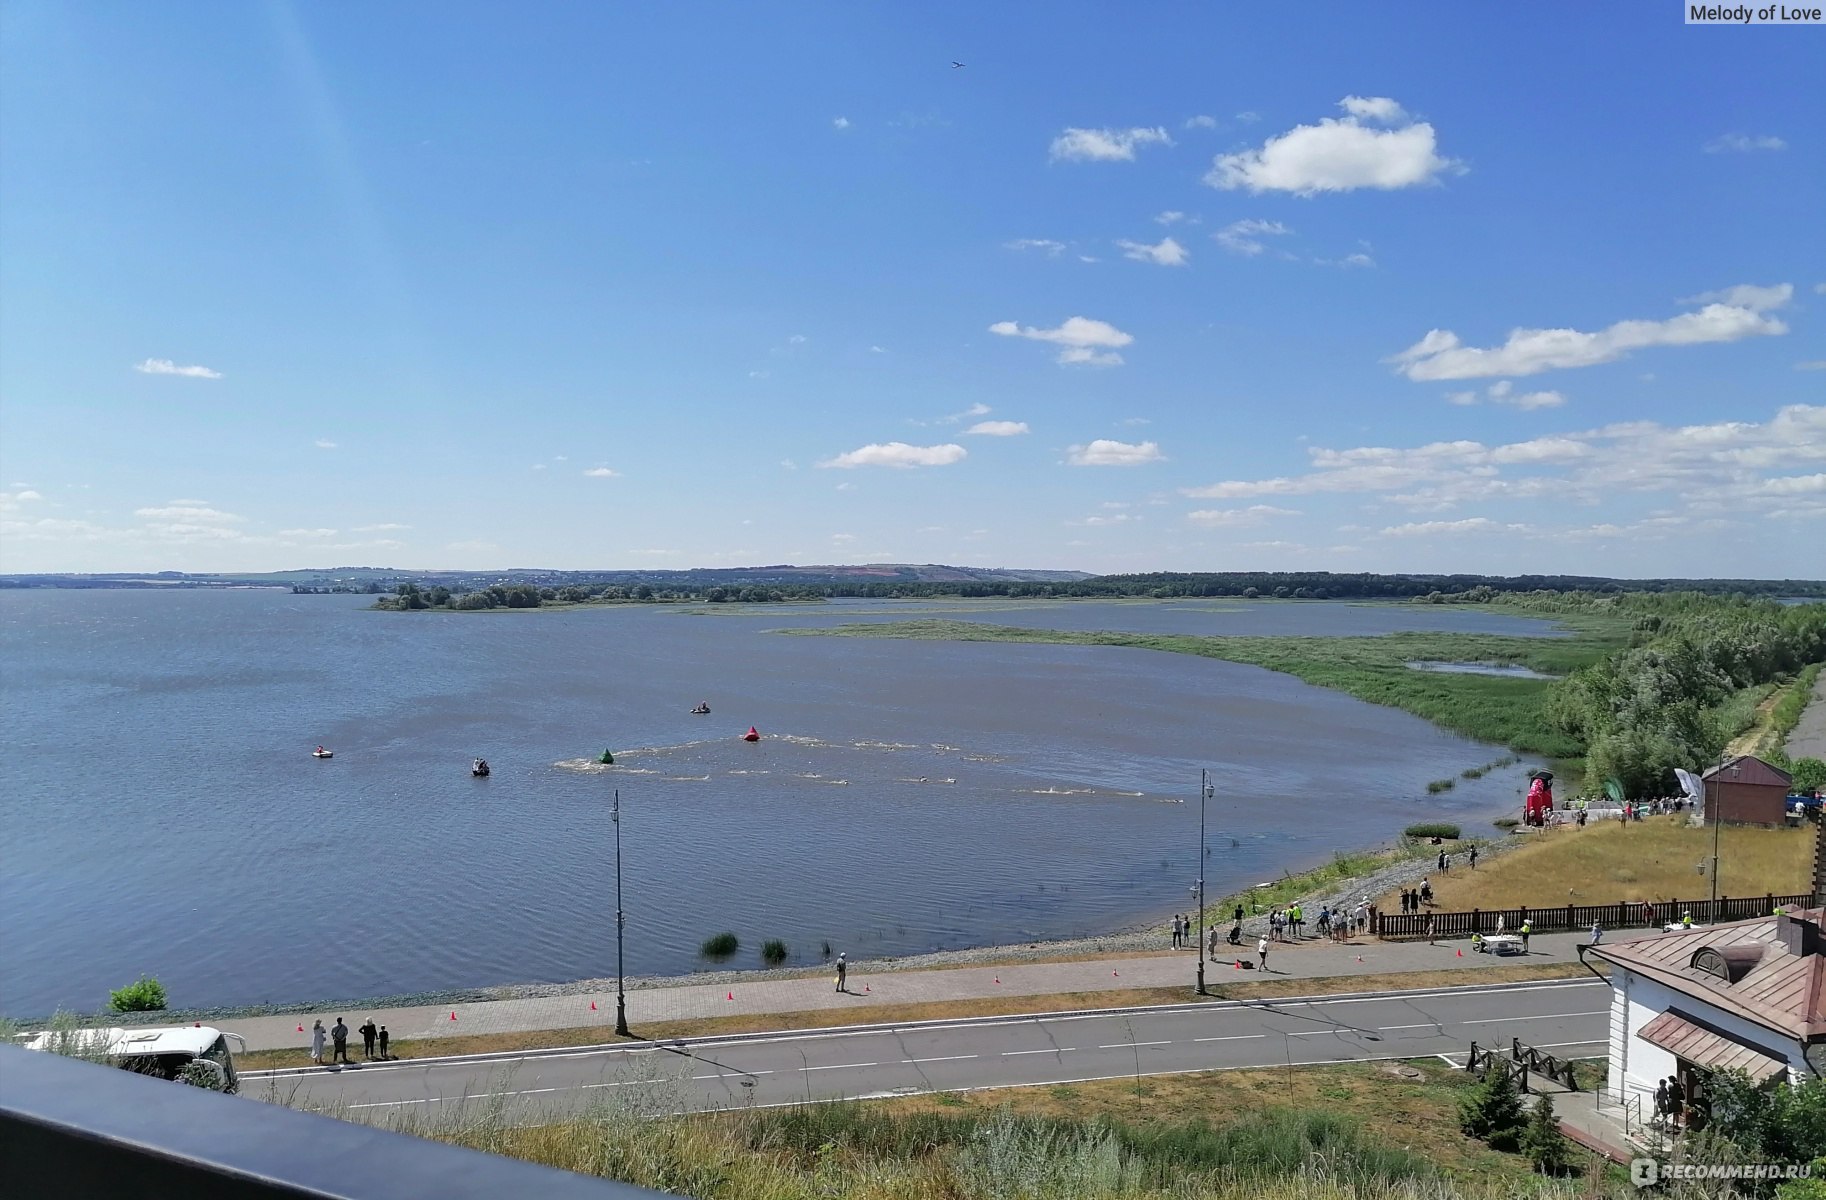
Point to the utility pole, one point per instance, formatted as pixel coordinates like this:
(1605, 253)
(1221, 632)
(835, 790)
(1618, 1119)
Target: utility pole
(1204, 794)
(1716, 803)
(621, 923)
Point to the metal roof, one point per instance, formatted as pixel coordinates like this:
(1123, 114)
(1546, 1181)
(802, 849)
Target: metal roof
(1747, 768)
(1781, 990)
(119, 1042)
(1687, 1038)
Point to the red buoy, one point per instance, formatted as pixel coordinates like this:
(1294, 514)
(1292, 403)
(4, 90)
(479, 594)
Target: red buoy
(752, 735)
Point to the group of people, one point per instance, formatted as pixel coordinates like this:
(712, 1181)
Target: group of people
(1445, 860)
(1674, 1109)
(374, 1042)
(1413, 898)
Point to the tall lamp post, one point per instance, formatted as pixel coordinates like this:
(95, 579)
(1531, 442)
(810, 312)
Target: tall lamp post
(1204, 793)
(621, 923)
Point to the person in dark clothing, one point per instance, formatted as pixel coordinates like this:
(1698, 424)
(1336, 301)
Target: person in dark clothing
(1442, 860)
(384, 1054)
(1474, 858)
(843, 972)
(367, 1032)
(339, 1040)
(1237, 916)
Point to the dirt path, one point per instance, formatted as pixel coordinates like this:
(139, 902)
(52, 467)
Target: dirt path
(1745, 742)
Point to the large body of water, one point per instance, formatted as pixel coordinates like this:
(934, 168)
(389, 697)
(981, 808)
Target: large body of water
(162, 813)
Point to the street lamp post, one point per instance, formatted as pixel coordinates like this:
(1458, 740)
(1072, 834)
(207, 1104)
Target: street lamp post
(621, 923)
(1204, 793)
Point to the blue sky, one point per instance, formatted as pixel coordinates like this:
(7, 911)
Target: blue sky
(1137, 287)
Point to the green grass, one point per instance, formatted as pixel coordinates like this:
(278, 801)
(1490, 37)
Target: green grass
(720, 945)
(1289, 888)
(1491, 708)
(1434, 787)
(1431, 829)
(773, 952)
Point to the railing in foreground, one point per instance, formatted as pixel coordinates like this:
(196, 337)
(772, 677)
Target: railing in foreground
(71, 1128)
(1625, 914)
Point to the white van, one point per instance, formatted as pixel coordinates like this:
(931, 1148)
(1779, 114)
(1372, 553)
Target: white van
(167, 1051)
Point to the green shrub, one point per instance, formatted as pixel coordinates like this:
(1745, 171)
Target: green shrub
(1543, 1142)
(1431, 829)
(1505, 822)
(720, 946)
(1809, 775)
(1492, 1111)
(1440, 785)
(144, 994)
(773, 952)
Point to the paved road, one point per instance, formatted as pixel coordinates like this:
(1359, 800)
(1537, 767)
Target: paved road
(1809, 737)
(882, 1061)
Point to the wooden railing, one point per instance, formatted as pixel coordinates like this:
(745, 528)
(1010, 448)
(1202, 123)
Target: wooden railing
(1625, 914)
(1520, 1062)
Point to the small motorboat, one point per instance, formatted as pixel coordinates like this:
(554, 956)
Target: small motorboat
(753, 735)
(320, 752)
(479, 768)
(701, 710)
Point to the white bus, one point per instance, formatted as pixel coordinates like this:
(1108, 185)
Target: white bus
(196, 1053)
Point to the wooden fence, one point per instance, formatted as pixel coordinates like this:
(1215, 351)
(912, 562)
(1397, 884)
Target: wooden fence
(1625, 914)
(1520, 1062)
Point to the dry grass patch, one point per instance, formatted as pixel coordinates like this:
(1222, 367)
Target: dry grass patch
(887, 1014)
(1608, 861)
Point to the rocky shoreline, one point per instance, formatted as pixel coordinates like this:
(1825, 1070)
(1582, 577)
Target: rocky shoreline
(1148, 936)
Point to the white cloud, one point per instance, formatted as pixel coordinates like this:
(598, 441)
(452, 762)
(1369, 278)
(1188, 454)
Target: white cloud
(876, 350)
(797, 339)
(1752, 296)
(538, 466)
(1049, 247)
(997, 428)
(1104, 452)
(186, 511)
(307, 533)
(1201, 122)
(1248, 117)
(1743, 143)
(1461, 398)
(1244, 237)
(1430, 528)
(1358, 259)
(1255, 514)
(1528, 401)
(897, 454)
(1440, 355)
(1168, 253)
(164, 366)
(1503, 392)
(1105, 145)
(325, 444)
(840, 122)
(979, 409)
(383, 527)
(1099, 522)
(1170, 217)
(843, 537)
(1086, 342)
(1339, 154)
(1818, 364)
(601, 472)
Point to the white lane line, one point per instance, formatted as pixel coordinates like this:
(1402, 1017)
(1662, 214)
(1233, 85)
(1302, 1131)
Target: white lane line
(945, 1058)
(1126, 1045)
(1320, 1032)
(1602, 1012)
(1392, 1028)
(840, 1067)
(1057, 1050)
(1235, 1037)
(733, 1075)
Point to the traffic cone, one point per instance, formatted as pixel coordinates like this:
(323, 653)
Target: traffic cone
(1461, 954)
(1359, 958)
(865, 989)
(1113, 975)
(301, 1029)
(730, 996)
(453, 1016)
(199, 1024)
(998, 979)
(592, 1006)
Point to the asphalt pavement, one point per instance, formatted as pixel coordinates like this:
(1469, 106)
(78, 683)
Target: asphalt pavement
(1570, 1018)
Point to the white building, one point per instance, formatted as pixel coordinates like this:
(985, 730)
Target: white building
(1749, 995)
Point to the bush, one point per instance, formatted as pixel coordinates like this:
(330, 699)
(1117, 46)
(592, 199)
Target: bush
(1505, 822)
(773, 952)
(144, 994)
(1492, 1112)
(1440, 785)
(1809, 775)
(1431, 829)
(720, 946)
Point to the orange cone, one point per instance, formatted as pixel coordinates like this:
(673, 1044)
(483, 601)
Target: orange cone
(1461, 954)
(592, 1006)
(1113, 975)
(998, 979)
(865, 989)
(453, 1016)
(1359, 958)
(301, 1029)
(730, 996)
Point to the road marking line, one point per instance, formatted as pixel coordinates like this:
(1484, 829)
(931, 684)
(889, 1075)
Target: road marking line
(945, 1058)
(840, 1066)
(1603, 1012)
(1320, 1032)
(1126, 1045)
(1055, 1050)
(1426, 1025)
(1235, 1037)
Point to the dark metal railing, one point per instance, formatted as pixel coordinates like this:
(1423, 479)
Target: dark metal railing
(1625, 914)
(72, 1128)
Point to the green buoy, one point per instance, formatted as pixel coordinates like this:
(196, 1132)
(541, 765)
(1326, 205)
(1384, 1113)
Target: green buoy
(608, 758)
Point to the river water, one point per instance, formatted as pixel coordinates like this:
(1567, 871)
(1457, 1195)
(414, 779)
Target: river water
(162, 812)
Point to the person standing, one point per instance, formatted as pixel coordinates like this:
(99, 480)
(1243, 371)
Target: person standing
(317, 1036)
(1596, 932)
(843, 972)
(1474, 858)
(385, 1053)
(1237, 916)
(1442, 860)
(367, 1032)
(1261, 952)
(1179, 932)
(339, 1041)
(1213, 947)
(1430, 930)
(1527, 928)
